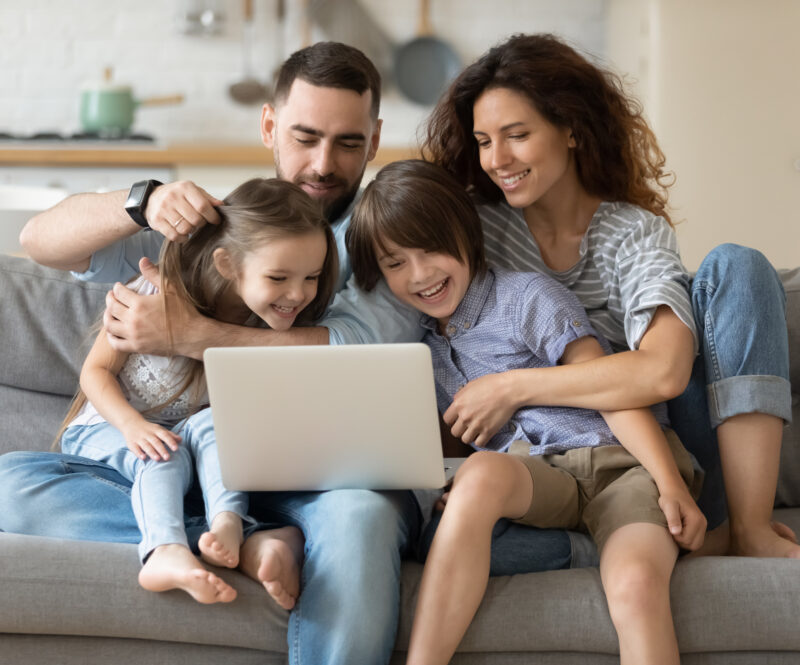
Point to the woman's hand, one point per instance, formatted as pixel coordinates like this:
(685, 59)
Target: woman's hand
(146, 439)
(481, 408)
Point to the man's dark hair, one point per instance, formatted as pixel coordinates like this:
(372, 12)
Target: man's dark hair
(331, 65)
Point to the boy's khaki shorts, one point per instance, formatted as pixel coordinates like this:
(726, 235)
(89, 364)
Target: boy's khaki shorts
(597, 490)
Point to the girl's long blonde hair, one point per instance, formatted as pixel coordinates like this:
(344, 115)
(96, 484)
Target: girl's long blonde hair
(254, 213)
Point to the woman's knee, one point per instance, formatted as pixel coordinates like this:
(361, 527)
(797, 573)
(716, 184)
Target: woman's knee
(730, 261)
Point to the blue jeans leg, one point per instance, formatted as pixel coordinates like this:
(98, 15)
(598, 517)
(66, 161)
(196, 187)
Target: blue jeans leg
(518, 549)
(743, 367)
(157, 488)
(63, 496)
(350, 583)
(198, 436)
(76, 498)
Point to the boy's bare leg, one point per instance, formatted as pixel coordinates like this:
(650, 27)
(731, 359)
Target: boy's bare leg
(750, 448)
(487, 487)
(220, 545)
(175, 567)
(274, 558)
(636, 565)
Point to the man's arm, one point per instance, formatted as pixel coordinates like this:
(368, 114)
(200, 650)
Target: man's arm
(136, 323)
(66, 235)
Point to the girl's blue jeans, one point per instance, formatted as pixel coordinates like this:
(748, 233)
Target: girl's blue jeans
(158, 487)
(743, 366)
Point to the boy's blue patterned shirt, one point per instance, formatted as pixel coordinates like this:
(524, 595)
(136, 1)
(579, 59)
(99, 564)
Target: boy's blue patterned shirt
(512, 320)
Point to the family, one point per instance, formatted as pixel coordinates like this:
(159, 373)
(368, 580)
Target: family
(609, 397)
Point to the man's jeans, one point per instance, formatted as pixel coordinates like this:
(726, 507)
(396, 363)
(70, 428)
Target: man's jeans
(158, 487)
(743, 367)
(349, 602)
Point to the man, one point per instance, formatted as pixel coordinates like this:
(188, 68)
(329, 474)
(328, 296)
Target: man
(323, 130)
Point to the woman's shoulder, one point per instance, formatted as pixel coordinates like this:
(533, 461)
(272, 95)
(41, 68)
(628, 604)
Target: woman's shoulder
(625, 226)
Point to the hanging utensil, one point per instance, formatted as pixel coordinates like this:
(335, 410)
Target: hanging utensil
(249, 90)
(349, 22)
(425, 65)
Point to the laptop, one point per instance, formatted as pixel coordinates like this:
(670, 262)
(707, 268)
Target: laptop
(325, 417)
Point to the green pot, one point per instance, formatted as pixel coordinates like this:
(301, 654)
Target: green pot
(108, 109)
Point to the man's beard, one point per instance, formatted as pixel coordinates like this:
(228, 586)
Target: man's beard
(331, 209)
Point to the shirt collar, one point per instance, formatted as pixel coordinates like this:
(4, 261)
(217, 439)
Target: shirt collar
(468, 310)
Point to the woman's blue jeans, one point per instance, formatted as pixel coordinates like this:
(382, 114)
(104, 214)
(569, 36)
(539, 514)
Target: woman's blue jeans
(743, 367)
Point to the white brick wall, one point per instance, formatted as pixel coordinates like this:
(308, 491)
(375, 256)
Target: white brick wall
(51, 47)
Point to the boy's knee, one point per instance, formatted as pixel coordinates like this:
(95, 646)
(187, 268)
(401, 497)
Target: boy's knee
(483, 476)
(634, 588)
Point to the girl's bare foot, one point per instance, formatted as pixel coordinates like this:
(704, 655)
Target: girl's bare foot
(274, 558)
(220, 545)
(175, 567)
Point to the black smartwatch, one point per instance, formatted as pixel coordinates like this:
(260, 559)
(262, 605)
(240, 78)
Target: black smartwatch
(137, 200)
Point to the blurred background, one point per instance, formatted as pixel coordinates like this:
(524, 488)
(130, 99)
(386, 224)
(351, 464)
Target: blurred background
(718, 79)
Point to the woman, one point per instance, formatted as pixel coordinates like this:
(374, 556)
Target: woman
(571, 182)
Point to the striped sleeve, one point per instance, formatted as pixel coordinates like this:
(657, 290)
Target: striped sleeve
(650, 274)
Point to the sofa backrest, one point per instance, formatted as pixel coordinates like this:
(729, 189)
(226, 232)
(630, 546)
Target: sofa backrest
(45, 318)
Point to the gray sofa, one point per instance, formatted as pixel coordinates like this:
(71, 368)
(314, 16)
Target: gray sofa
(79, 602)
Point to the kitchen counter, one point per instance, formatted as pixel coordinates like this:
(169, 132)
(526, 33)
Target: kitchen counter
(178, 154)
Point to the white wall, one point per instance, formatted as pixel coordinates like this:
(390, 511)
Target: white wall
(721, 83)
(51, 47)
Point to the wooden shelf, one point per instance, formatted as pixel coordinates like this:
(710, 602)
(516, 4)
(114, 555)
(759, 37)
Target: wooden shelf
(172, 155)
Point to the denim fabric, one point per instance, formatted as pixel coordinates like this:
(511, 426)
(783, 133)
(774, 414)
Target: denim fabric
(743, 367)
(158, 487)
(350, 584)
(518, 549)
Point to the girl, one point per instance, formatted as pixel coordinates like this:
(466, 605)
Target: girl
(573, 185)
(417, 227)
(271, 261)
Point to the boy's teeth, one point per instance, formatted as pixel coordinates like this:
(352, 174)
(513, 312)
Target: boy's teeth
(433, 290)
(516, 178)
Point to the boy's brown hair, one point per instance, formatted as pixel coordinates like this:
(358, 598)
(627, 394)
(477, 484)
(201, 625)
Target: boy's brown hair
(414, 204)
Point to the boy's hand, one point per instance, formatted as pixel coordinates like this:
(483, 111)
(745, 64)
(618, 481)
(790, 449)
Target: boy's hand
(685, 521)
(480, 409)
(146, 439)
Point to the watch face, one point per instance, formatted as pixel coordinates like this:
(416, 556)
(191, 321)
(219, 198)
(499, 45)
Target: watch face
(136, 194)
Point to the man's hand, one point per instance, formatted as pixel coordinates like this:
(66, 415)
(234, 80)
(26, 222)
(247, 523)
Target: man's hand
(480, 409)
(178, 209)
(136, 323)
(685, 521)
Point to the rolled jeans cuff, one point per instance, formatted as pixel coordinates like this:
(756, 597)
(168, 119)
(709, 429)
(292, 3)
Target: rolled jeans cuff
(737, 395)
(584, 551)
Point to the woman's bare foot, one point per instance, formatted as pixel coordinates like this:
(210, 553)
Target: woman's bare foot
(220, 545)
(274, 558)
(175, 567)
(775, 540)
